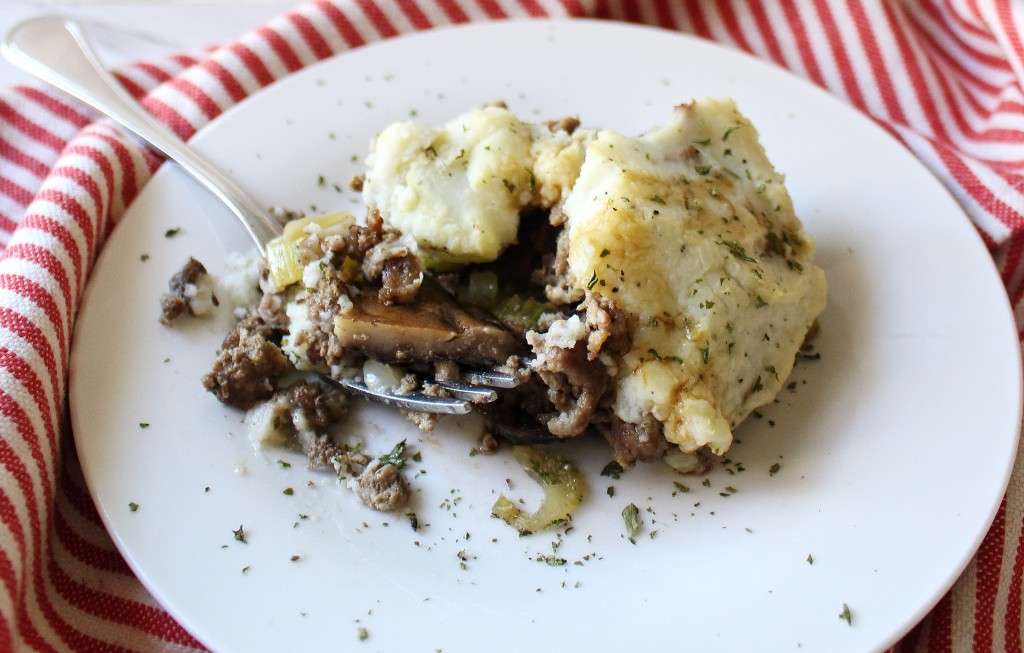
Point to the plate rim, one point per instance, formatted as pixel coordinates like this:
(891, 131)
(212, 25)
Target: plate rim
(557, 23)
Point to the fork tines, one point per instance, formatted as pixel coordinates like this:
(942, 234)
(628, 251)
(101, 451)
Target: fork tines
(475, 387)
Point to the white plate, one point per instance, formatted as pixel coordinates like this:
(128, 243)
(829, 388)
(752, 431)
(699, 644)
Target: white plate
(893, 452)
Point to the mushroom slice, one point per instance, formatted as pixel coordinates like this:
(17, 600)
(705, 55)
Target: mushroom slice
(431, 327)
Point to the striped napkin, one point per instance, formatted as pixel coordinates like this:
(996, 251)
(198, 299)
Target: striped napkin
(942, 76)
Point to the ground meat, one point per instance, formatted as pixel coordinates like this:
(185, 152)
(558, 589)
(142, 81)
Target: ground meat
(561, 391)
(315, 405)
(400, 279)
(254, 321)
(632, 443)
(514, 416)
(486, 444)
(322, 452)
(322, 305)
(607, 326)
(567, 361)
(361, 239)
(309, 249)
(575, 387)
(284, 216)
(271, 307)
(183, 293)
(514, 366)
(423, 421)
(388, 257)
(555, 274)
(381, 486)
(409, 383)
(385, 257)
(567, 124)
(171, 308)
(247, 369)
(446, 371)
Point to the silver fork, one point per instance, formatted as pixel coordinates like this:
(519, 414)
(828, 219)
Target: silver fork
(56, 50)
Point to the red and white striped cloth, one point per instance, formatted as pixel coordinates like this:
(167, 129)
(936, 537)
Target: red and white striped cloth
(945, 77)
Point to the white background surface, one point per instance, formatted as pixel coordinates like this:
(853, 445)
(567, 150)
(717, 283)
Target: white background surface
(125, 31)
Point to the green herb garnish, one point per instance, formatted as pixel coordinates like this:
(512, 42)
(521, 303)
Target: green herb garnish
(730, 129)
(845, 615)
(612, 469)
(396, 456)
(737, 251)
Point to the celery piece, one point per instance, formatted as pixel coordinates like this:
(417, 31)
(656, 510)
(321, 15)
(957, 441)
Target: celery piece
(563, 491)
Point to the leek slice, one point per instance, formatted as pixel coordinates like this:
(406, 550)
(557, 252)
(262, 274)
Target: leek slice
(436, 263)
(282, 252)
(283, 261)
(481, 289)
(521, 313)
(563, 491)
(322, 225)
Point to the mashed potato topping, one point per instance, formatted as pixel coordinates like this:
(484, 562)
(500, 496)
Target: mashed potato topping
(459, 189)
(688, 229)
(692, 232)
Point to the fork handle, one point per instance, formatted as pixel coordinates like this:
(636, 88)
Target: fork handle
(56, 50)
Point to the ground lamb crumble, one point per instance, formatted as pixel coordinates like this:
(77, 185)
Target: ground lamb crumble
(248, 366)
(190, 291)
